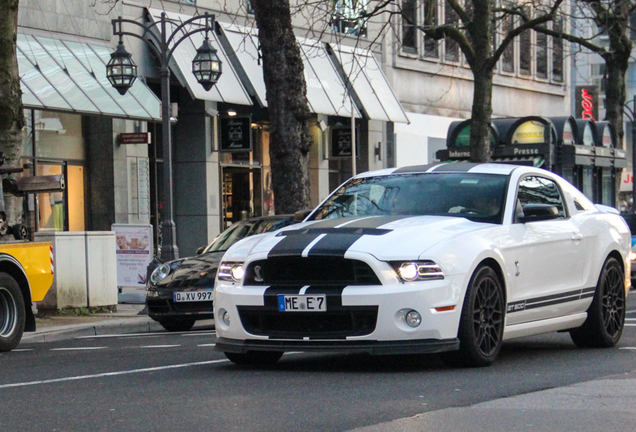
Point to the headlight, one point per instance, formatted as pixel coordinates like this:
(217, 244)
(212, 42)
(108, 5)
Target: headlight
(161, 272)
(411, 271)
(632, 256)
(231, 271)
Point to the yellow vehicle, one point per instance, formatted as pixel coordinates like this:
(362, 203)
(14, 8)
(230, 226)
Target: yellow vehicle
(26, 274)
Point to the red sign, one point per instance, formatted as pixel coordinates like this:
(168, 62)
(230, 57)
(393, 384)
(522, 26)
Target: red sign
(134, 138)
(587, 102)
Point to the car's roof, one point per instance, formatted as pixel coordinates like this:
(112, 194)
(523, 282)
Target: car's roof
(452, 167)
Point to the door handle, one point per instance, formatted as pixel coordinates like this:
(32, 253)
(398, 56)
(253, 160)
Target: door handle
(577, 237)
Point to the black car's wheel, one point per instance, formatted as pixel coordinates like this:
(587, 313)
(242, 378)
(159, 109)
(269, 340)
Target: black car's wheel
(176, 325)
(481, 323)
(12, 313)
(606, 315)
(254, 358)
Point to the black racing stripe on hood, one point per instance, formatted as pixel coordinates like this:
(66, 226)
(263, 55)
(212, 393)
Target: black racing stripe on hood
(294, 243)
(335, 245)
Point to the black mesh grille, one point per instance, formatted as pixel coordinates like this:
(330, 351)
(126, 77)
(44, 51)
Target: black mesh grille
(310, 271)
(337, 324)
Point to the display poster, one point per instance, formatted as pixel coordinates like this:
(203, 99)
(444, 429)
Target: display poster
(134, 253)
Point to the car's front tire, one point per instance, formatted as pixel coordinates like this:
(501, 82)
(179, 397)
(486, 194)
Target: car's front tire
(482, 322)
(176, 325)
(12, 313)
(254, 358)
(606, 315)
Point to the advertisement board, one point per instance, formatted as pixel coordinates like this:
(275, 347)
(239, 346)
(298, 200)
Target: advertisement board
(134, 252)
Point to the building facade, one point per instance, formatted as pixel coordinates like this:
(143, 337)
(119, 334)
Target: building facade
(400, 90)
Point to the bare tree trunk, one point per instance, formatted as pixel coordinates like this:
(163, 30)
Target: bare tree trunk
(616, 62)
(481, 115)
(288, 109)
(11, 115)
(481, 65)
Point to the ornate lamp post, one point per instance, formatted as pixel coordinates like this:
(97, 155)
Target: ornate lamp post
(122, 72)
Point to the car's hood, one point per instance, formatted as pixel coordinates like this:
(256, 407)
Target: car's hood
(194, 272)
(385, 237)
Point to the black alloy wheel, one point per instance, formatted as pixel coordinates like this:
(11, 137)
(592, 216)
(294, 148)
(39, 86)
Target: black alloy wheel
(482, 322)
(606, 315)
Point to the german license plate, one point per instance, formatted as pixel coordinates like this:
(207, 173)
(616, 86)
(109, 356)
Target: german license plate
(192, 296)
(302, 303)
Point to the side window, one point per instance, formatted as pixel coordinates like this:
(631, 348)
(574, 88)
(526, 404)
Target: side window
(539, 190)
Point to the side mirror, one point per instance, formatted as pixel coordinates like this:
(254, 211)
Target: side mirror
(300, 215)
(200, 250)
(538, 212)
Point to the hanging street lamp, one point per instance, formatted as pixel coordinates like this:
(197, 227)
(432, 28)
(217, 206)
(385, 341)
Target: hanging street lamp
(122, 72)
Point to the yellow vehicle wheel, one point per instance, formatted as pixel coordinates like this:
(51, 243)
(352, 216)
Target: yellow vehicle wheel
(12, 313)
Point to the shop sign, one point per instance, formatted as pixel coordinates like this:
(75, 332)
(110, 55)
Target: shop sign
(134, 138)
(627, 182)
(587, 102)
(530, 132)
(236, 134)
(341, 142)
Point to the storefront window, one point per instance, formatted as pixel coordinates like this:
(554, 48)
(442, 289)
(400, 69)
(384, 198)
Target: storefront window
(51, 205)
(27, 134)
(58, 135)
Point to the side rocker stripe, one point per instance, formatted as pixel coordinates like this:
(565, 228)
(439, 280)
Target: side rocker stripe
(539, 302)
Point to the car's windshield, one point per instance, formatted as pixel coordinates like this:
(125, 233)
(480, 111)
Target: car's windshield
(244, 229)
(478, 197)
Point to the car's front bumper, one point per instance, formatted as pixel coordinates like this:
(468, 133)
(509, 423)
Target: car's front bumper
(161, 306)
(423, 346)
(437, 301)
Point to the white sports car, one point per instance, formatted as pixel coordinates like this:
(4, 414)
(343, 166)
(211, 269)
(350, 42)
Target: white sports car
(448, 258)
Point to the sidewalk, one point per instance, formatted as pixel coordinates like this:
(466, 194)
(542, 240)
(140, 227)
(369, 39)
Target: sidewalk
(130, 318)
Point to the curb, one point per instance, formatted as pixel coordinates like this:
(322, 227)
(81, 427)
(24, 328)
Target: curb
(122, 326)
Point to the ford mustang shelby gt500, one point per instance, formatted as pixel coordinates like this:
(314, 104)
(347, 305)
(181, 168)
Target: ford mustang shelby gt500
(449, 258)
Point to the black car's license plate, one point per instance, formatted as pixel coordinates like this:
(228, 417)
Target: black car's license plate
(302, 303)
(189, 296)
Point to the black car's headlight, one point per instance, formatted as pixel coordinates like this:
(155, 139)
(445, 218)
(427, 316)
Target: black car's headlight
(162, 272)
(231, 271)
(411, 271)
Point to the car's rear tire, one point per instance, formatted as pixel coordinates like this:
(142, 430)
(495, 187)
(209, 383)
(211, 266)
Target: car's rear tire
(12, 313)
(254, 358)
(606, 315)
(482, 322)
(176, 325)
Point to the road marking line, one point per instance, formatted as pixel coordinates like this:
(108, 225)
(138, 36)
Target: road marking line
(203, 334)
(206, 345)
(77, 349)
(630, 325)
(110, 374)
(132, 335)
(628, 348)
(23, 349)
(159, 346)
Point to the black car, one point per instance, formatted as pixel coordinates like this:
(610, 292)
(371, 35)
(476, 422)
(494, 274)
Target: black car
(180, 291)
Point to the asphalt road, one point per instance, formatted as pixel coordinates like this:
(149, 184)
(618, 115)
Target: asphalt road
(178, 382)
